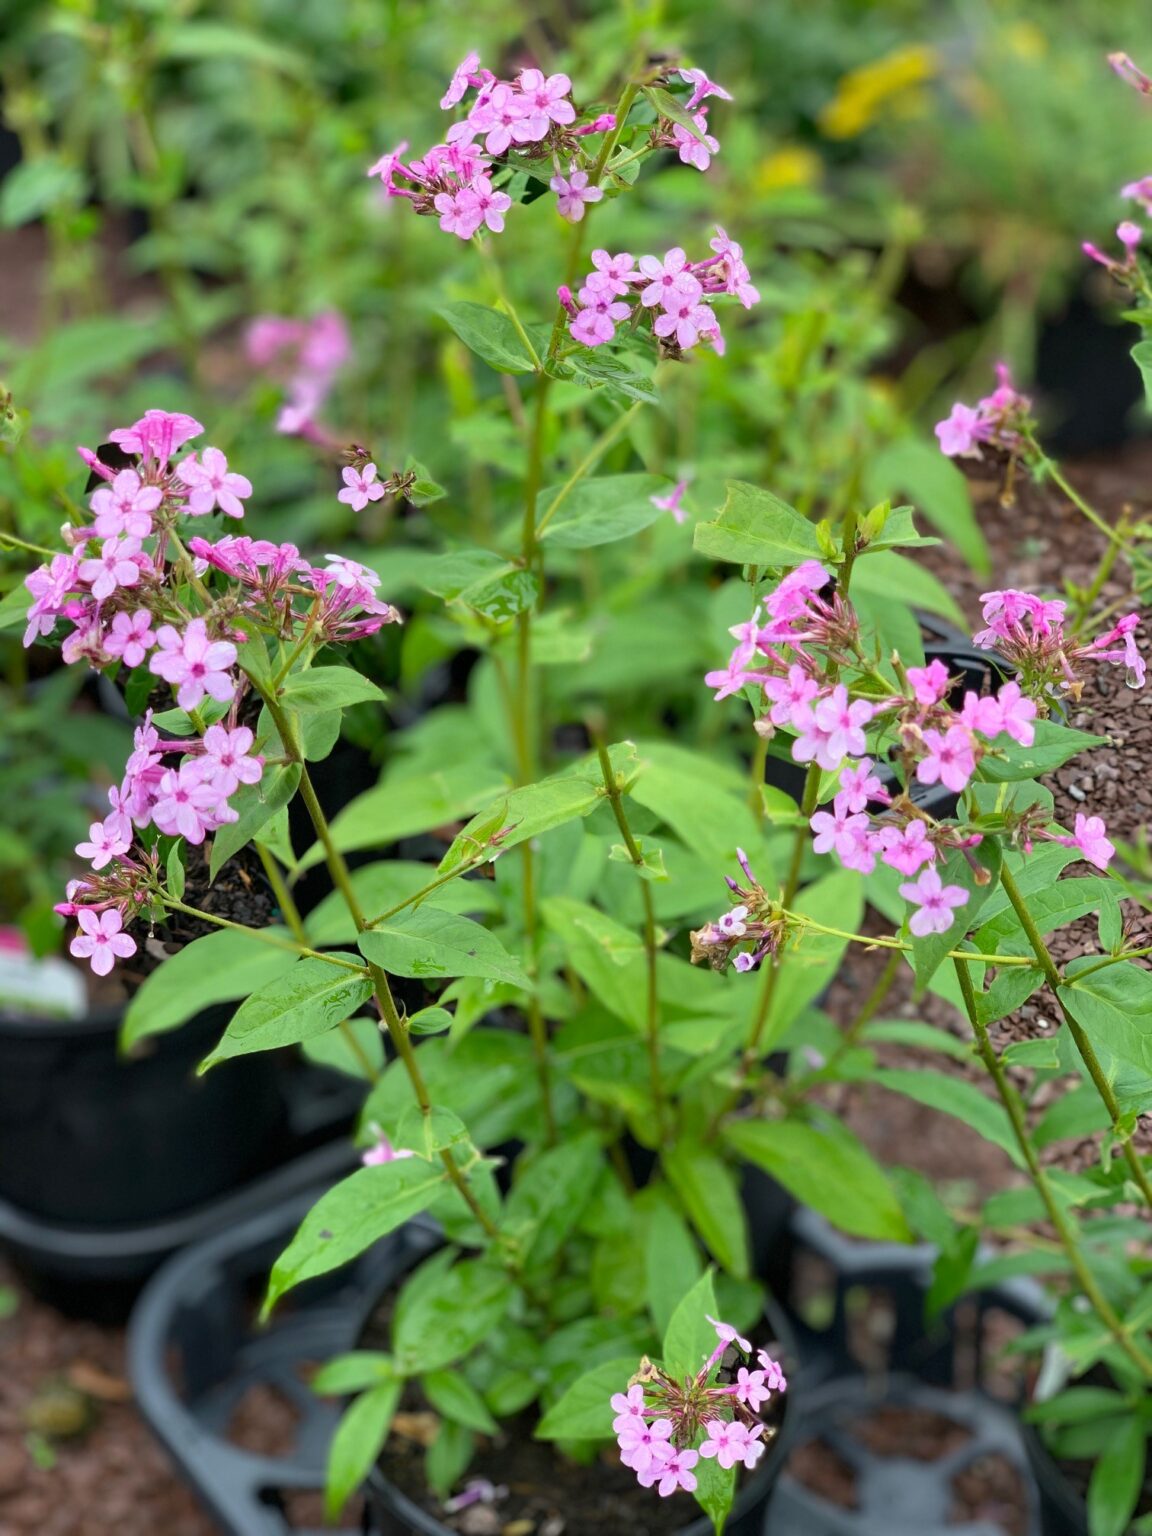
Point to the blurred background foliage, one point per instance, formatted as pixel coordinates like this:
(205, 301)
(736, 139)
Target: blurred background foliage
(911, 180)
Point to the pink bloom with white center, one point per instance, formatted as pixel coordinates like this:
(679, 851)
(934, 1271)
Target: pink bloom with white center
(194, 665)
(663, 276)
(951, 758)
(858, 784)
(382, 1151)
(930, 683)
(684, 318)
(1017, 714)
(126, 506)
(732, 924)
(189, 803)
(131, 637)
(773, 1375)
(730, 1443)
(572, 193)
(751, 1388)
(615, 272)
(106, 841)
(702, 88)
(350, 573)
(1090, 838)
(630, 1408)
(908, 848)
(545, 102)
(671, 502)
(213, 484)
(642, 1444)
(116, 566)
(843, 722)
(360, 487)
(50, 586)
(961, 432)
(692, 149)
(101, 942)
(227, 758)
(728, 1335)
(672, 1472)
(460, 81)
(157, 434)
(935, 903)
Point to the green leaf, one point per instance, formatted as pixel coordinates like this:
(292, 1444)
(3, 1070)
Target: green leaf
(213, 969)
(690, 1338)
(36, 187)
(390, 883)
(1115, 1007)
(1049, 908)
(428, 943)
(354, 1372)
(1142, 357)
(430, 1133)
(667, 106)
(600, 511)
(895, 578)
(1117, 1479)
(709, 817)
(827, 1168)
(953, 1096)
(218, 40)
(256, 805)
(601, 369)
(350, 1217)
(453, 1396)
(364, 1060)
(549, 1197)
(310, 999)
(323, 688)
(672, 1263)
(756, 528)
(928, 953)
(357, 1442)
(446, 1308)
(1053, 747)
(707, 1187)
(715, 1491)
(585, 1410)
(609, 958)
(174, 871)
(918, 469)
(448, 1456)
(491, 335)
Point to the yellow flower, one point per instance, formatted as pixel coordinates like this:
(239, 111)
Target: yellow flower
(864, 92)
(792, 166)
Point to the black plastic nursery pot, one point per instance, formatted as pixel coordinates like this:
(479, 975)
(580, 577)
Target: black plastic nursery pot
(873, 1355)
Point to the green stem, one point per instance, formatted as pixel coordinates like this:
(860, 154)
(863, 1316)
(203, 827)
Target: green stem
(488, 255)
(974, 956)
(597, 451)
(1122, 544)
(1079, 1034)
(651, 945)
(32, 549)
(260, 934)
(1063, 1227)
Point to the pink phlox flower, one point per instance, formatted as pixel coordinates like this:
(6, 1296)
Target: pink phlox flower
(935, 903)
(837, 830)
(1005, 399)
(545, 102)
(791, 598)
(702, 88)
(907, 848)
(1130, 73)
(671, 1472)
(684, 317)
(773, 1374)
(131, 637)
(732, 924)
(662, 277)
(96, 464)
(731, 1442)
(692, 150)
(983, 713)
(642, 1444)
(858, 783)
(157, 434)
(194, 665)
(350, 573)
(498, 118)
(1129, 236)
(1089, 836)
(1139, 192)
(1017, 714)
(736, 675)
(572, 193)
(190, 803)
(951, 758)
(227, 756)
(863, 852)
(744, 961)
(213, 484)
(360, 487)
(115, 566)
(100, 941)
(961, 432)
(106, 841)
(592, 328)
(812, 744)
(843, 722)
(460, 81)
(126, 506)
(490, 205)
(736, 278)
(751, 1388)
(382, 1151)
(459, 212)
(930, 683)
(50, 586)
(1129, 654)
(615, 271)
(309, 354)
(728, 1335)
(629, 1406)
(386, 168)
(671, 502)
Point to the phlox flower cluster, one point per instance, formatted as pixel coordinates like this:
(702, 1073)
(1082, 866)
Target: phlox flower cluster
(1028, 632)
(675, 295)
(122, 588)
(664, 1426)
(1002, 420)
(306, 355)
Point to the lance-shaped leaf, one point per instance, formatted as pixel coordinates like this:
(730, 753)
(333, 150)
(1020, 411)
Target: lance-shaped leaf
(310, 999)
(585, 1411)
(599, 511)
(358, 1440)
(428, 943)
(323, 688)
(756, 528)
(690, 1338)
(491, 335)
